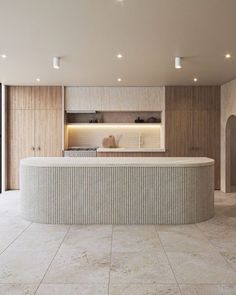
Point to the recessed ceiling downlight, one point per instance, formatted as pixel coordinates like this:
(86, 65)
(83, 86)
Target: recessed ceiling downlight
(119, 80)
(3, 55)
(228, 55)
(119, 55)
(195, 79)
(38, 79)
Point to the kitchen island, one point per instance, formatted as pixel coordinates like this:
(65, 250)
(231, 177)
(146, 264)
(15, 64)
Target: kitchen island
(123, 190)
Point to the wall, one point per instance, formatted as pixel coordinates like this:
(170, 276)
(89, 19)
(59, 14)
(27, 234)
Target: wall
(228, 108)
(233, 153)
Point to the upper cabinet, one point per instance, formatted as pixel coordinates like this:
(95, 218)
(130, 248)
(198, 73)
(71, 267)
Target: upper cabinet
(114, 99)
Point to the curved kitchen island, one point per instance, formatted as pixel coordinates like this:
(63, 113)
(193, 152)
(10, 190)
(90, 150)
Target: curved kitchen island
(117, 190)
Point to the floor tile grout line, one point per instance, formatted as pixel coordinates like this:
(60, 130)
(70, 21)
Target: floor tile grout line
(158, 237)
(110, 259)
(52, 260)
(17, 237)
(219, 252)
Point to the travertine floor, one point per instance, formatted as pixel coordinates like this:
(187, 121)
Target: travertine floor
(83, 260)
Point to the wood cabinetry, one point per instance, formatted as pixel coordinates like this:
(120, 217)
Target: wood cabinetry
(114, 98)
(34, 125)
(193, 123)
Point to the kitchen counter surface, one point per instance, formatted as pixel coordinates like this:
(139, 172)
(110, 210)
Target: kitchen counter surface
(131, 150)
(117, 161)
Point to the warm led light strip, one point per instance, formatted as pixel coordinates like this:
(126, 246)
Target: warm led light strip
(102, 125)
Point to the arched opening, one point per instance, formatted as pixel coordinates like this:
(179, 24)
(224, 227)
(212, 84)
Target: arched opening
(231, 154)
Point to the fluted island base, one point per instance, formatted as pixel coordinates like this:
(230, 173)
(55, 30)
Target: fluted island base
(117, 190)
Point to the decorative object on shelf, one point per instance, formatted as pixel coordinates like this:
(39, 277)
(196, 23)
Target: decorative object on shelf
(109, 142)
(153, 120)
(139, 120)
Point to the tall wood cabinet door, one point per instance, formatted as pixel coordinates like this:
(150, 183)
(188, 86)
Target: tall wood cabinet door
(48, 98)
(179, 133)
(20, 98)
(48, 133)
(20, 143)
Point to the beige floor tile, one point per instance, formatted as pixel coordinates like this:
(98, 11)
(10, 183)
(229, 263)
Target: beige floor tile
(135, 239)
(74, 266)
(149, 267)
(72, 289)
(89, 238)
(17, 289)
(6, 238)
(201, 268)
(48, 227)
(13, 223)
(26, 267)
(208, 289)
(40, 241)
(144, 289)
(230, 257)
(185, 241)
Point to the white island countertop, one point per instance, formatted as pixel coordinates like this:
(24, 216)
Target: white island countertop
(130, 150)
(117, 161)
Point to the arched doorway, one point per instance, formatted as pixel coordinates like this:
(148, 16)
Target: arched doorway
(231, 154)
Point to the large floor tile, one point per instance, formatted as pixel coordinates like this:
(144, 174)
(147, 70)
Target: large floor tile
(149, 267)
(135, 239)
(89, 238)
(17, 289)
(230, 257)
(13, 223)
(202, 268)
(191, 240)
(41, 240)
(72, 289)
(21, 266)
(208, 289)
(74, 266)
(6, 238)
(144, 289)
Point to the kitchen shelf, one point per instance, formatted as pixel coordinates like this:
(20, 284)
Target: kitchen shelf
(116, 124)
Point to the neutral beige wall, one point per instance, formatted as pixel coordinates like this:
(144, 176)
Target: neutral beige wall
(228, 108)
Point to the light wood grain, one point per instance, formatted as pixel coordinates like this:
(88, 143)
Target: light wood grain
(48, 98)
(20, 98)
(34, 126)
(48, 140)
(20, 143)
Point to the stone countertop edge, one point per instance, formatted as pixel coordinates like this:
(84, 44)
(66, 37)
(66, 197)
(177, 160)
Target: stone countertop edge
(117, 162)
(131, 150)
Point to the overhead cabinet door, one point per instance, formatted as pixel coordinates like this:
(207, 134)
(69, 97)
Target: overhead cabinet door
(114, 99)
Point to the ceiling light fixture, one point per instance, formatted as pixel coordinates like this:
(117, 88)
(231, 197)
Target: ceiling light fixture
(195, 79)
(228, 55)
(119, 80)
(178, 64)
(37, 79)
(119, 55)
(56, 62)
(3, 55)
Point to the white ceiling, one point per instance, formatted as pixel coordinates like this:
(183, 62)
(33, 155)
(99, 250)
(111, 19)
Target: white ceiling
(88, 34)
